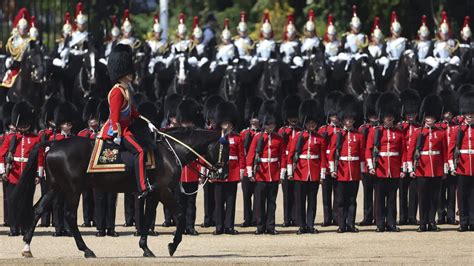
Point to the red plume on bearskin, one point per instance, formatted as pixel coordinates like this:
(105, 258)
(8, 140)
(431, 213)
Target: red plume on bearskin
(23, 13)
(311, 15)
(181, 18)
(289, 20)
(394, 17)
(126, 15)
(330, 22)
(376, 23)
(424, 20)
(266, 17)
(155, 18)
(79, 8)
(243, 16)
(467, 20)
(114, 21)
(67, 18)
(195, 22)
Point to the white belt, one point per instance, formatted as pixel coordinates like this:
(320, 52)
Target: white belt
(389, 153)
(233, 158)
(349, 158)
(268, 160)
(430, 152)
(20, 159)
(310, 157)
(466, 151)
(328, 151)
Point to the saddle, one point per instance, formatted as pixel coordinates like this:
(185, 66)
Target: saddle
(108, 157)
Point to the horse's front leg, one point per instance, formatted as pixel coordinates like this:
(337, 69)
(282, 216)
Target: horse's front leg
(170, 201)
(145, 220)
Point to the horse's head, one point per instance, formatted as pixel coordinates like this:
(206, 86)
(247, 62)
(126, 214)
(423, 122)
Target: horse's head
(360, 71)
(140, 64)
(451, 77)
(315, 73)
(33, 63)
(230, 84)
(410, 60)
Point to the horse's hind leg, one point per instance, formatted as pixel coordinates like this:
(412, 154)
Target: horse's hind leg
(145, 222)
(170, 202)
(71, 218)
(43, 204)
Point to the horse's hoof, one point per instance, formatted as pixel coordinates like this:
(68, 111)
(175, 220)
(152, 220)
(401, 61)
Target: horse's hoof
(148, 254)
(27, 254)
(89, 254)
(172, 249)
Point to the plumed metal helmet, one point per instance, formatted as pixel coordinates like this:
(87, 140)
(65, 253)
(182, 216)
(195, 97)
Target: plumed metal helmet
(252, 106)
(90, 109)
(210, 107)
(7, 109)
(190, 111)
(268, 113)
(227, 112)
(170, 105)
(47, 111)
(431, 106)
(450, 101)
(22, 114)
(410, 100)
(150, 111)
(466, 103)
(349, 107)
(290, 107)
(65, 112)
(103, 111)
(330, 102)
(310, 110)
(120, 62)
(388, 104)
(369, 105)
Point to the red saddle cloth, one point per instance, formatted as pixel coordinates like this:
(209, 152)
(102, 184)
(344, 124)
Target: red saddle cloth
(10, 77)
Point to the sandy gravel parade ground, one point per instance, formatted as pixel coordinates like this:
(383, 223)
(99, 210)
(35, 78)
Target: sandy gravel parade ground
(327, 247)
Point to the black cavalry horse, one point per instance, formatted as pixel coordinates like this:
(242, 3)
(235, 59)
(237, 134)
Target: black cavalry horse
(66, 164)
(269, 83)
(405, 74)
(314, 80)
(360, 82)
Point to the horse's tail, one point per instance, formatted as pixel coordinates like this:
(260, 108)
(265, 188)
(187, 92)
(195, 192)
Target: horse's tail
(22, 196)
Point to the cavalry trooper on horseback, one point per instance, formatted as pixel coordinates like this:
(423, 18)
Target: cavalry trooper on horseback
(81, 41)
(242, 41)
(423, 46)
(290, 52)
(332, 46)
(395, 45)
(266, 48)
(111, 41)
(120, 67)
(158, 47)
(310, 43)
(354, 41)
(61, 48)
(16, 46)
(466, 45)
(376, 48)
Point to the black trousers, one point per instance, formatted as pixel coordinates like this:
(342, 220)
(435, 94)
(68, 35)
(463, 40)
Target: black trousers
(105, 208)
(428, 193)
(46, 216)
(447, 198)
(289, 211)
(9, 188)
(306, 198)
(265, 195)
(346, 194)
(368, 186)
(248, 190)
(129, 207)
(88, 205)
(225, 195)
(5, 202)
(466, 200)
(386, 201)
(187, 203)
(329, 206)
(142, 205)
(167, 214)
(408, 199)
(209, 204)
(59, 209)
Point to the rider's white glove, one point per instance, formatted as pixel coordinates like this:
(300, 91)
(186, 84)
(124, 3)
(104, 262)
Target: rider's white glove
(203, 61)
(212, 66)
(298, 61)
(193, 61)
(117, 140)
(8, 62)
(58, 62)
(152, 127)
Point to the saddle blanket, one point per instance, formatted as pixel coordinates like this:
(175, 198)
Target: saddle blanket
(108, 158)
(10, 77)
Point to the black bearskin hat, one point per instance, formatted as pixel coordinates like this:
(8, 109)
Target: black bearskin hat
(450, 103)
(65, 112)
(388, 104)
(90, 110)
(348, 106)
(227, 112)
(7, 109)
(150, 111)
(432, 105)
(410, 100)
(330, 103)
(22, 115)
(466, 103)
(290, 107)
(252, 106)
(190, 111)
(103, 111)
(171, 103)
(268, 113)
(120, 62)
(47, 111)
(369, 105)
(310, 110)
(210, 107)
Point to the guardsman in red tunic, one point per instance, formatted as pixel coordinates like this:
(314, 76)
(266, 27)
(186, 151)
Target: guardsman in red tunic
(232, 172)
(385, 154)
(347, 162)
(408, 199)
(15, 151)
(8, 128)
(266, 164)
(327, 131)
(461, 161)
(189, 115)
(306, 164)
(371, 120)
(252, 106)
(289, 114)
(447, 196)
(428, 161)
(120, 67)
